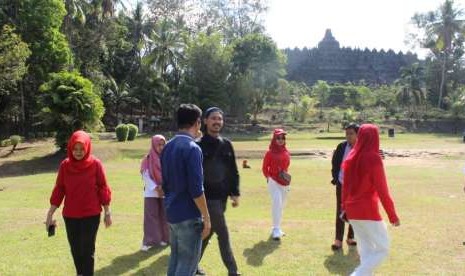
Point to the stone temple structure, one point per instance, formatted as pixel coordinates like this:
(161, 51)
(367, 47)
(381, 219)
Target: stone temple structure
(331, 63)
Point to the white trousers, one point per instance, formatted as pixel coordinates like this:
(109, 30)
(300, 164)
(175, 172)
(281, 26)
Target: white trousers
(372, 245)
(278, 195)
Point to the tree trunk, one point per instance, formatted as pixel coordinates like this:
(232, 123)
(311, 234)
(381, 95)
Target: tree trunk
(23, 110)
(443, 80)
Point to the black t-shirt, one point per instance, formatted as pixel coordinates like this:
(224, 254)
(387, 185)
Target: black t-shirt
(221, 177)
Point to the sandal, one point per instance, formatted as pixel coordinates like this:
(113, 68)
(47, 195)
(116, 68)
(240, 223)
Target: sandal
(351, 242)
(337, 245)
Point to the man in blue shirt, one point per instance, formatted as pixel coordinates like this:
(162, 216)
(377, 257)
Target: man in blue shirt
(186, 208)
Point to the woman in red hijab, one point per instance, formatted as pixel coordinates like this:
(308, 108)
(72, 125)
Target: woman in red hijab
(82, 183)
(364, 187)
(155, 224)
(275, 164)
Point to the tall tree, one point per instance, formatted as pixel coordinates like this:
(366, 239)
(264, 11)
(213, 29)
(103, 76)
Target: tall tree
(13, 55)
(321, 90)
(257, 61)
(412, 92)
(207, 71)
(166, 47)
(76, 14)
(49, 49)
(236, 19)
(118, 96)
(444, 31)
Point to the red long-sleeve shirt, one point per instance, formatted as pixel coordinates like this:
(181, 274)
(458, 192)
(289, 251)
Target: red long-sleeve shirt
(360, 197)
(273, 163)
(84, 192)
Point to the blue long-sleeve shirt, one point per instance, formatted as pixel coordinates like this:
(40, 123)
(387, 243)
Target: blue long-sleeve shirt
(182, 173)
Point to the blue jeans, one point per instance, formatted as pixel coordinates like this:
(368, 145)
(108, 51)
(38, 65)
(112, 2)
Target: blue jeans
(186, 243)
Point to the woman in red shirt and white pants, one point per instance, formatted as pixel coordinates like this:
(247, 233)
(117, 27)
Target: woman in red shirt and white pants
(364, 186)
(277, 159)
(81, 182)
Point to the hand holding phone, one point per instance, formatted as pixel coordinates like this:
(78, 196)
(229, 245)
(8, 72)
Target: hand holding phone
(50, 225)
(51, 229)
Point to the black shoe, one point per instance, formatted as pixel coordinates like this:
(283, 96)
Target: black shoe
(235, 274)
(200, 271)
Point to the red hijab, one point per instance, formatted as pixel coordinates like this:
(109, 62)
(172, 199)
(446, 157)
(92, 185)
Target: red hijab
(151, 161)
(274, 147)
(364, 155)
(75, 165)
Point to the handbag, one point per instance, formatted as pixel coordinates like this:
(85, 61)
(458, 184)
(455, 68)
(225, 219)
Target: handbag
(285, 176)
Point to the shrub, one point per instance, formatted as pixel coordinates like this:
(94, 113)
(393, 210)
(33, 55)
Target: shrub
(67, 98)
(15, 140)
(133, 130)
(122, 132)
(5, 143)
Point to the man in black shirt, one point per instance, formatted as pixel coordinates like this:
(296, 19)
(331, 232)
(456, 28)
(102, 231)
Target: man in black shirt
(221, 180)
(340, 154)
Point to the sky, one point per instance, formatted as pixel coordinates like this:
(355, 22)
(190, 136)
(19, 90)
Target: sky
(379, 24)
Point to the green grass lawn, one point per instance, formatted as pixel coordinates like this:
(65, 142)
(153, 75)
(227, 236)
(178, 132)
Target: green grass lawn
(427, 192)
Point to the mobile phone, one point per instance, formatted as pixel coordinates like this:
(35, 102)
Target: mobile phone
(51, 230)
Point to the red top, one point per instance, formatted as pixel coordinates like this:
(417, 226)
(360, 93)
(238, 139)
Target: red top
(82, 183)
(365, 181)
(277, 158)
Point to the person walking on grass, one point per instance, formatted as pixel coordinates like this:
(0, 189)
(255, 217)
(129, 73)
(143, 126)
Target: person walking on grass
(185, 204)
(156, 231)
(339, 155)
(275, 165)
(82, 183)
(364, 186)
(221, 180)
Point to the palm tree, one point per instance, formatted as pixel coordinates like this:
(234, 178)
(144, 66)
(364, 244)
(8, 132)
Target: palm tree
(118, 96)
(139, 27)
(443, 28)
(411, 87)
(109, 7)
(76, 12)
(166, 47)
(151, 89)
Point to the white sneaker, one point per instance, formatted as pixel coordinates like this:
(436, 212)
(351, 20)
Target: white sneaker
(163, 243)
(276, 234)
(145, 248)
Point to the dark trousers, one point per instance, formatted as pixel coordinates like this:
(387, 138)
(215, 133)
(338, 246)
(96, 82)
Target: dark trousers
(82, 233)
(339, 222)
(216, 208)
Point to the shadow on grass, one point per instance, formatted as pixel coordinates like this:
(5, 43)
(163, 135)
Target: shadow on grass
(10, 152)
(159, 267)
(47, 163)
(259, 251)
(341, 264)
(123, 264)
(330, 138)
